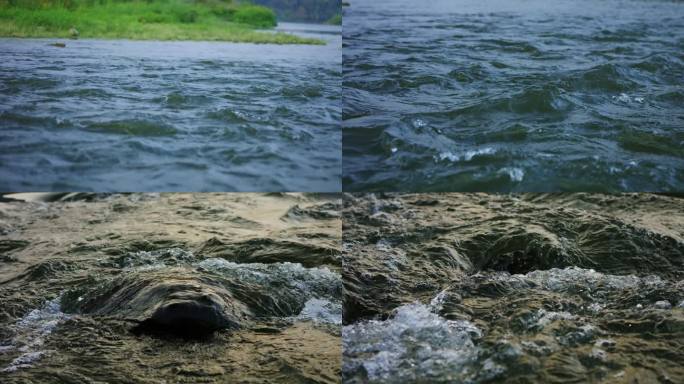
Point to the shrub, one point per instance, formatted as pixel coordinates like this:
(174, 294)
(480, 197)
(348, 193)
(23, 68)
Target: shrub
(255, 15)
(188, 16)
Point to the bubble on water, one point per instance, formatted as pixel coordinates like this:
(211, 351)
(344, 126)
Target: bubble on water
(544, 317)
(490, 370)
(309, 281)
(623, 98)
(515, 174)
(419, 123)
(414, 343)
(26, 360)
(151, 260)
(662, 304)
(31, 331)
(465, 156)
(577, 279)
(383, 245)
(447, 156)
(392, 258)
(477, 152)
(437, 302)
(321, 310)
(581, 335)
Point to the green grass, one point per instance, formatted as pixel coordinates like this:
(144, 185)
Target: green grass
(335, 20)
(143, 20)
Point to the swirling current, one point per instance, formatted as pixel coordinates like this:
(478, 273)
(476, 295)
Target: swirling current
(172, 287)
(148, 116)
(513, 288)
(513, 96)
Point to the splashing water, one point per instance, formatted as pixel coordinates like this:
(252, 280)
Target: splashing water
(414, 343)
(31, 332)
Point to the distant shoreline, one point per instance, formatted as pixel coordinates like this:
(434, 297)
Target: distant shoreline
(173, 21)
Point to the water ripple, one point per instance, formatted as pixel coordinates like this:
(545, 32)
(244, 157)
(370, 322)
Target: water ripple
(145, 116)
(571, 96)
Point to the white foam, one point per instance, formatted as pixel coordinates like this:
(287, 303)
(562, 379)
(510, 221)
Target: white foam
(491, 370)
(414, 343)
(150, 260)
(419, 123)
(542, 318)
(515, 174)
(465, 156)
(437, 302)
(321, 310)
(310, 282)
(392, 258)
(31, 332)
(571, 278)
(625, 98)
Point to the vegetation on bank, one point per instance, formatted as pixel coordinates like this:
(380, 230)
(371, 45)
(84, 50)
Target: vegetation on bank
(306, 11)
(335, 20)
(222, 20)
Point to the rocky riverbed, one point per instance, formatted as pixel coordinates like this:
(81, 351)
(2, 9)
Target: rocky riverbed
(151, 288)
(532, 288)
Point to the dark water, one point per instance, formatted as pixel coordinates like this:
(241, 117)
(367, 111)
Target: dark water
(501, 288)
(512, 96)
(149, 116)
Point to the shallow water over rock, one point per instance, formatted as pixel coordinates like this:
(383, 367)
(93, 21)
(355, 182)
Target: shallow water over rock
(541, 288)
(153, 289)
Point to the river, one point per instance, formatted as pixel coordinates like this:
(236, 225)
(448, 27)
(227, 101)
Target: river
(513, 96)
(119, 115)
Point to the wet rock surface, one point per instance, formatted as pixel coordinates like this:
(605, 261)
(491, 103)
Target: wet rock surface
(547, 288)
(170, 288)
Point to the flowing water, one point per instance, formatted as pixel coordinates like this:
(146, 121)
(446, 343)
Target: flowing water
(488, 288)
(148, 116)
(181, 288)
(513, 96)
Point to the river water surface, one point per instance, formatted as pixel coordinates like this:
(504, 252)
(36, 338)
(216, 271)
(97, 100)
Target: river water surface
(272, 314)
(513, 96)
(513, 288)
(113, 115)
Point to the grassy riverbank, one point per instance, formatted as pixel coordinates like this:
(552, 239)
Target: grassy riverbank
(143, 20)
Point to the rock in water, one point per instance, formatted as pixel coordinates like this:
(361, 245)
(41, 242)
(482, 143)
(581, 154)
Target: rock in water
(189, 314)
(58, 45)
(184, 305)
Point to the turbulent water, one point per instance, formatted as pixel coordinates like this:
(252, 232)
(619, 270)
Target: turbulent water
(164, 116)
(513, 96)
(225, 288)
(475, 288)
